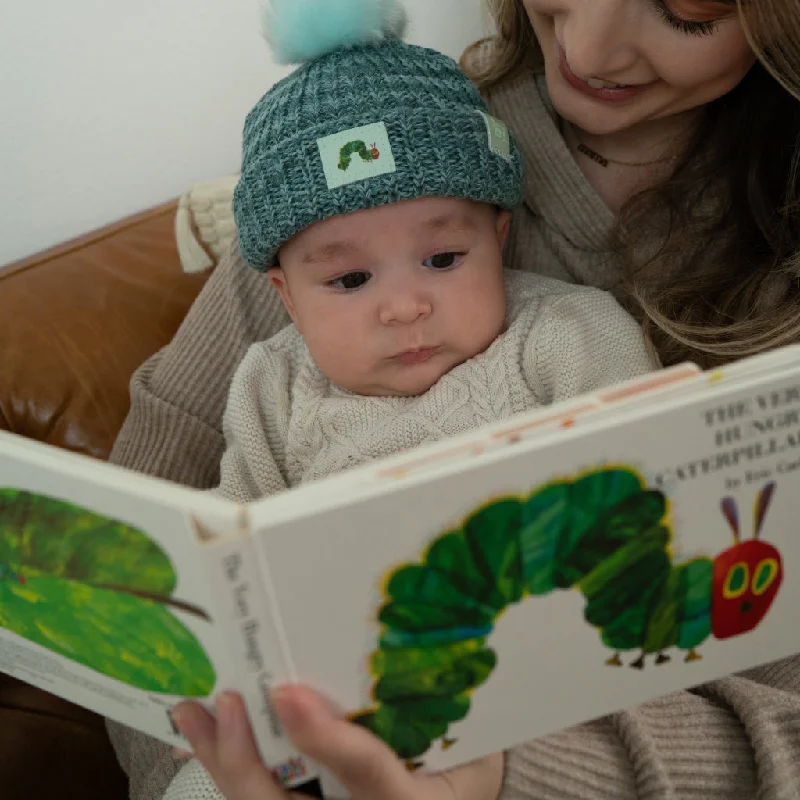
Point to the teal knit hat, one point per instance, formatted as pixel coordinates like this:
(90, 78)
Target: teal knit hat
(368, 120)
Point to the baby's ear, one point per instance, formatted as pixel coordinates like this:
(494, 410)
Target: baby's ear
(278, 280)
(503, 226)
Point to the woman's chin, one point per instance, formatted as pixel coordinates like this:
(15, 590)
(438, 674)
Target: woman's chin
(591, 116)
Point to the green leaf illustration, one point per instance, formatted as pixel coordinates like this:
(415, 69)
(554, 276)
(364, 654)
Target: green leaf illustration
(67, 541)
(135, 641)
(97, 591)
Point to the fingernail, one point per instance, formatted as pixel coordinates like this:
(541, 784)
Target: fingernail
(288, 710)
(177, 717)
(225, 715)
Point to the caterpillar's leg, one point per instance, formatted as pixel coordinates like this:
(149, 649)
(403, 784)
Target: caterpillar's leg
(614, 661)
(448, 743)
(413, 766)
(692, 655)
(639, 663)
(663, 658)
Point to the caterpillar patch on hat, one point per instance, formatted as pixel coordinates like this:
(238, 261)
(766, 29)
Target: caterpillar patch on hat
(356, 154)
(499, 140)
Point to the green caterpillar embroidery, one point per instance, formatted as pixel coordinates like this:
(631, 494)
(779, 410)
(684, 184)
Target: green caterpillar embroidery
(605, 534)
(358, 147)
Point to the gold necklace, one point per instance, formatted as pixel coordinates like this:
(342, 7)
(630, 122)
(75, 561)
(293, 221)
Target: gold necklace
(603, 161)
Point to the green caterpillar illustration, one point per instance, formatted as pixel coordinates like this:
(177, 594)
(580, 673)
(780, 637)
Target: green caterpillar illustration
(605, 534)
(359, 148)
(99, 592)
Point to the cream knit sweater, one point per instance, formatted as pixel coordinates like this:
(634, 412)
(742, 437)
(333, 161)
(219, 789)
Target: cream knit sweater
(286, 423)
(734, 738)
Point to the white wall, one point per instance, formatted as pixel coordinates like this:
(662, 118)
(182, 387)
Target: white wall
(110, 106)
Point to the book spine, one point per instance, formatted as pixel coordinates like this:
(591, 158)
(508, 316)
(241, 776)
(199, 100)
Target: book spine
(257, 652)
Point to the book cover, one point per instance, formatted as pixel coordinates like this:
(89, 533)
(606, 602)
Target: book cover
(456, 600)
(463, 610)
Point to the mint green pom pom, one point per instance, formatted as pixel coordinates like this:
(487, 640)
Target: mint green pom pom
(302, 30)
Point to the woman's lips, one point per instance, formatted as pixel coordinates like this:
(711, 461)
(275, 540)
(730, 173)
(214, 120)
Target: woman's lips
(418, 356)
(616, 94)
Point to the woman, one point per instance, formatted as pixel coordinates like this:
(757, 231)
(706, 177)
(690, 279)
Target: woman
(661, 138)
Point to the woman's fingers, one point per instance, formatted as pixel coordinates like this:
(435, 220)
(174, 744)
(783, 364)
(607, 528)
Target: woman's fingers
(198, 726)
(227, 750)
(238, 754)
(361, 762)
(477, 780)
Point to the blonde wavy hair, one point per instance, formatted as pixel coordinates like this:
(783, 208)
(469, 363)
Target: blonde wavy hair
(741, 296)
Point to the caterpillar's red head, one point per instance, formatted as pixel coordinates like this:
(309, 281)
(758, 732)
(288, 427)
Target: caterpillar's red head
(375, 153)
(747, 576)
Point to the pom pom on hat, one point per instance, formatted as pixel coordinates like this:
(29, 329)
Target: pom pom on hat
(302, 30)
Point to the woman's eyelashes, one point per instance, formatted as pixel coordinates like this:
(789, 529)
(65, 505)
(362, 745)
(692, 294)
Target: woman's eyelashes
(443, 261)
(690, 27)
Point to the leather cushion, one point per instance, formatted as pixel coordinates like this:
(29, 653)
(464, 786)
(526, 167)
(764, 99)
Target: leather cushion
(76, 321)
(50, 748)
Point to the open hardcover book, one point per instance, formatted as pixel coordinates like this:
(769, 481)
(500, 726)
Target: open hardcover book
(456, 600)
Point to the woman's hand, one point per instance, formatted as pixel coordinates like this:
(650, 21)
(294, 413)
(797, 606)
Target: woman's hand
(364, 765)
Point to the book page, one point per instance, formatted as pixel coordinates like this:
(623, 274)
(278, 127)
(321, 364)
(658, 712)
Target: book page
(464, 611)
(104, 596)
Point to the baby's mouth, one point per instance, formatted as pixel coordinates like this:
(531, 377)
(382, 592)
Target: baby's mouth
(418, 355)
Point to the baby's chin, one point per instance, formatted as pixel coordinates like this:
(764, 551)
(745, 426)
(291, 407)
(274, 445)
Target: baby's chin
(407, 382)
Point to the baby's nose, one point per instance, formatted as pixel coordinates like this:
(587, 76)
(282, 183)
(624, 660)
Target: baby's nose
(405, 309)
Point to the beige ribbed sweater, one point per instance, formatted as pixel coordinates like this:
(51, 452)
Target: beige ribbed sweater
(734, 738)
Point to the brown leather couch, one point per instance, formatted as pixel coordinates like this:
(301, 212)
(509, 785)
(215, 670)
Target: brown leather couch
(75, 322)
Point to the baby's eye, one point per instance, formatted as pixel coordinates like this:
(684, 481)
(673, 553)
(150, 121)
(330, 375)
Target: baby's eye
(350, 281)
(443, 260)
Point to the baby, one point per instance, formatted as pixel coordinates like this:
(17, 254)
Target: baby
(376, 193)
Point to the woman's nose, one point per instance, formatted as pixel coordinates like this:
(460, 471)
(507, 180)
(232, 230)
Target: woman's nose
(405, 307)
(597, 38)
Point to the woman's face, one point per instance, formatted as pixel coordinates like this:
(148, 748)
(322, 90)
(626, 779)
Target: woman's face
(613, 64)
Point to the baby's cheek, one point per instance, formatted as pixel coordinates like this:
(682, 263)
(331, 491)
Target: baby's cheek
(337, 347)
(484, 320)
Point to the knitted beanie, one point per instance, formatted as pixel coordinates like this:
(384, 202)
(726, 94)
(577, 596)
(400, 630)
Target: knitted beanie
(367, 121)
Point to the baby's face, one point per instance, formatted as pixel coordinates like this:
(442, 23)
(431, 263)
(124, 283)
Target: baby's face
(389, 300)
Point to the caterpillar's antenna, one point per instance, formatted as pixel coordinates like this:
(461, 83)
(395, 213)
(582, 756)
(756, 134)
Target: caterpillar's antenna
(761, 506)
(728, 505)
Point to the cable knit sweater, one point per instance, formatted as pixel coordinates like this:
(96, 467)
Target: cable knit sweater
(734, 738)
(286, 423)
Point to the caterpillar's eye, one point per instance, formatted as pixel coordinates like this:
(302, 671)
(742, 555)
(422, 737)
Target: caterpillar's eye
(737, 581)
(764, 575)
